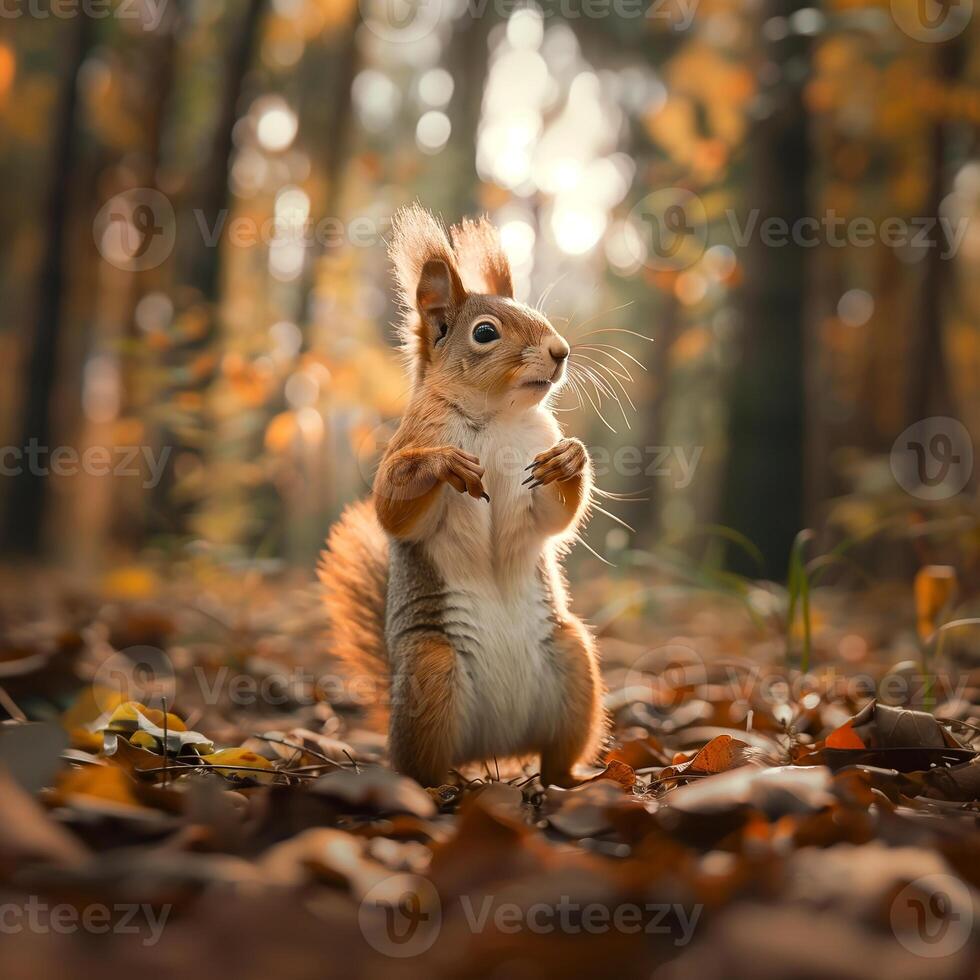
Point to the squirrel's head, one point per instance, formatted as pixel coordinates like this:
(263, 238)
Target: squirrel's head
(465, 334)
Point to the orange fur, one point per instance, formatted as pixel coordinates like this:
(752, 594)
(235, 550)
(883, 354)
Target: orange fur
(469, 392)
(408, 482)
(424, 705)
(354, 572)
(483, 265)
(584, 726)
(417, 238)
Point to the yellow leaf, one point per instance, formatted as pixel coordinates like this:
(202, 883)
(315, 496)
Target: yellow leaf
(935, 586)
(144, 740)
(126, 717)
(89, 707)
(105, 783)
(131, 582)
(240, 757)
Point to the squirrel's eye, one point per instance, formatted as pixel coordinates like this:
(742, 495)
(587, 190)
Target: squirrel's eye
(484, 333)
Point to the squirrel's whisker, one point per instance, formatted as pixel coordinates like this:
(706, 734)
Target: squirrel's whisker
(604, 371)
(632, 333)
(592, 360)
(613, 517)
(546, 292)
(596, 316)
(626, 498)
(585, 544)
(618, 378)
(603, 387)
(598, 410)
(573, 384)
(606, 348)
(600, 383)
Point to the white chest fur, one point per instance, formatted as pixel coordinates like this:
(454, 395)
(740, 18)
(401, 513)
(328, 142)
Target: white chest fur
(489, 556)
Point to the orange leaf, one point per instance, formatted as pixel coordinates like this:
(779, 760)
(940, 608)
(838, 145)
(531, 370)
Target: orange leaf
(935, 586)
(618, 772)
(720, 754)
(844, 738)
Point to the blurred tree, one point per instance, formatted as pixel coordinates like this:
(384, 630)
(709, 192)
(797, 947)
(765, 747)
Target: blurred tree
(198, 267)
(28, 494)
(929, 392)
(763, 489)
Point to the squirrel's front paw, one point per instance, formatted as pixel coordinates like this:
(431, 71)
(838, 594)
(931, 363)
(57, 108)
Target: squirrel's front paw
(564, 461)
(462, 471)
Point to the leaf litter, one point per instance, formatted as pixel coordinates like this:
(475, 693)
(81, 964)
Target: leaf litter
(747, 818)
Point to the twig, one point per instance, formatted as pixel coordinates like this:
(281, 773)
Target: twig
(302, 748)
(11, 707)
(465, 781)
(942, 721)
(208, 765)
(166, 743)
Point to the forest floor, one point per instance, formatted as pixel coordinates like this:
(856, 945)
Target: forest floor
(187, 786)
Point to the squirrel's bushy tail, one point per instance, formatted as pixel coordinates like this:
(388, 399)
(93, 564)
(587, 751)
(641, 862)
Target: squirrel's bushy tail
(354, 572)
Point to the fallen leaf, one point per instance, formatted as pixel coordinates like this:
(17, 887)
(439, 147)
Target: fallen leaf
(31, 753)
(241, 757)
(934, 587)
(776, 791)
(375, 790)
(28, 834)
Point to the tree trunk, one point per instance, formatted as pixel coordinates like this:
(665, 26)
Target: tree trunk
(26, 503)
(764, 486)
(202, 269)
(928, 392)
(199, 264)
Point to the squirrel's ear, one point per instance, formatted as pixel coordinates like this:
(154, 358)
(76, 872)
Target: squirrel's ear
(427, 276)
(439, 292)
(482, 261)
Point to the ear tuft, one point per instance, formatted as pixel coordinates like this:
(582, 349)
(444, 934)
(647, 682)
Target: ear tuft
(419, 249)
(482, 261)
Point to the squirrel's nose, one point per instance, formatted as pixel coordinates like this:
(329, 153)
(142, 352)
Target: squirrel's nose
(558, 350)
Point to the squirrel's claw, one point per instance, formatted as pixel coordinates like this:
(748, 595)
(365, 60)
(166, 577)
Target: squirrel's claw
(485, 496)
(535, 485)
(530, 479)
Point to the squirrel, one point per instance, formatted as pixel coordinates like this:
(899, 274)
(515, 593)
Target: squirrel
(446, 585)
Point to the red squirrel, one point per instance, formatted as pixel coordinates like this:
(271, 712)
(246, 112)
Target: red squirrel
(447, 582)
